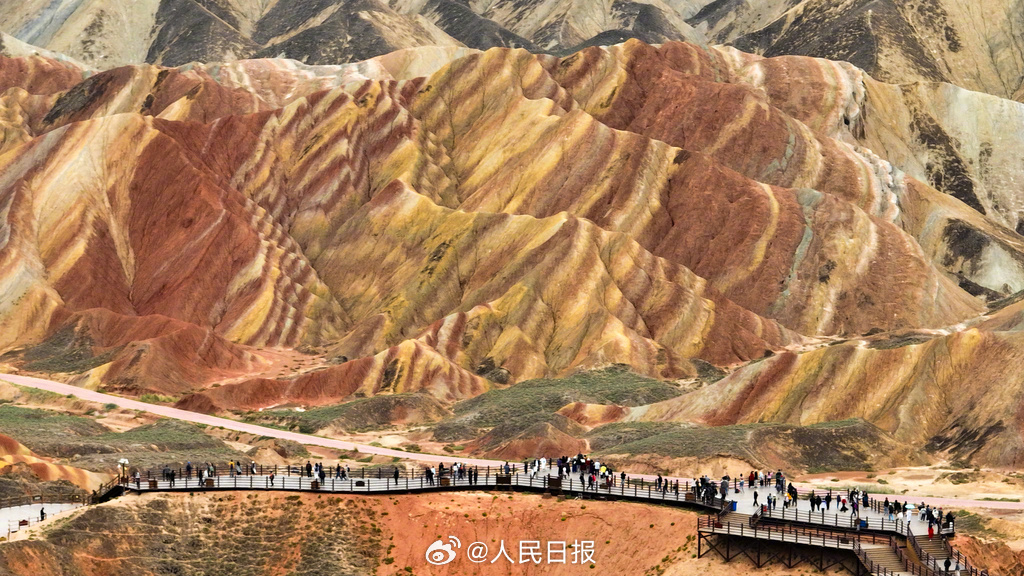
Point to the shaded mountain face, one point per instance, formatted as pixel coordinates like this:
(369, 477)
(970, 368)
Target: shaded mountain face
(108, 33)
(973, 45)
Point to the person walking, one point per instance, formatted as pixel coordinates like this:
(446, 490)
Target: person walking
(948, 563)
(755, 498)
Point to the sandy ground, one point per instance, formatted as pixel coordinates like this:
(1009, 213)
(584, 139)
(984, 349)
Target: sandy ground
(934, 481)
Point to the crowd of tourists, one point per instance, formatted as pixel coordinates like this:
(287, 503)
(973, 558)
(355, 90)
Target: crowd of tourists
(594, 474)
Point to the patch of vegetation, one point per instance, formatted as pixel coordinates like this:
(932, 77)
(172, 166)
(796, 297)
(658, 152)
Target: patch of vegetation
(360, 415)
(156, 399)
(671, 439)
(269, 534)
(869, 488)
(528, 426)
(40, 429)
(957, 478)
(900, 341)
(708, 372)
(284, 448)
(975, 525)
(88, 444)
(68, 351)
(455, 431)
(827, 447)
(14, 483)
(613, 385)
(988, 499)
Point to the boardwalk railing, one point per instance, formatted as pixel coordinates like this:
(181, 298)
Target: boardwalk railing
(918, 567)
(836, 519)
(959, 563)
(787, 533)
(45, 498)
(929, 565)
(416, 473)
(420, 483)
(58, 497)
(872, 566)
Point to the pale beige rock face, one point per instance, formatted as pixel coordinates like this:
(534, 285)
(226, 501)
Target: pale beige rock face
(973, 44)
(101, 33)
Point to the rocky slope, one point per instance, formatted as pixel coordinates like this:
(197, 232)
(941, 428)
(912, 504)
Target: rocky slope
(107, 33)
(19, 463)
(448, 221)
(973, 45)
(260, 534)
(976, 45)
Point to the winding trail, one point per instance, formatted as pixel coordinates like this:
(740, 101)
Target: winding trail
(197, 418)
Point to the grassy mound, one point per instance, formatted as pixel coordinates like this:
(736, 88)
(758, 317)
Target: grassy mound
(376, 413)
(87, 444)
(613, 385)
(826, 447)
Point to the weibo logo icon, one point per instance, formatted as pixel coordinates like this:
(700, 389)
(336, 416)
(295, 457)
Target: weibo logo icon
(440, 553)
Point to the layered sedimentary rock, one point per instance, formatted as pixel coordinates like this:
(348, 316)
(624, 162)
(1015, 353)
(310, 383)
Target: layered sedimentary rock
(446, 221)
(948, 393)
(962, 143)
(14, 455)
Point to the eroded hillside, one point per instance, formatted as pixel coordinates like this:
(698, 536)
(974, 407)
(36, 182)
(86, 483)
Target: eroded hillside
(446, 221)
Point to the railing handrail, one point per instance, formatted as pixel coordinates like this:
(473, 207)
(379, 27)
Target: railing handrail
(951, 553)
(44, 498)
(839, 520)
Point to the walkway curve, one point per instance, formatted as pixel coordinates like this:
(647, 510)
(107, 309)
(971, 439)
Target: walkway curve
(198, 418)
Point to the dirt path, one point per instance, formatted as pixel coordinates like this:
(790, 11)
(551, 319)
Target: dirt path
(197, 418)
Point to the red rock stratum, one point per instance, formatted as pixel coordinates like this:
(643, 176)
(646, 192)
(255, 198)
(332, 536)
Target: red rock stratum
(447, 221)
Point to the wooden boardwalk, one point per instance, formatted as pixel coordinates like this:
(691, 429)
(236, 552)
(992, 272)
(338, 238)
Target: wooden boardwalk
(408, 484)
(791, 536)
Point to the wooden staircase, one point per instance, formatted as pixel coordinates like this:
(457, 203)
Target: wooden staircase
(735, 518)
(934, 550)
